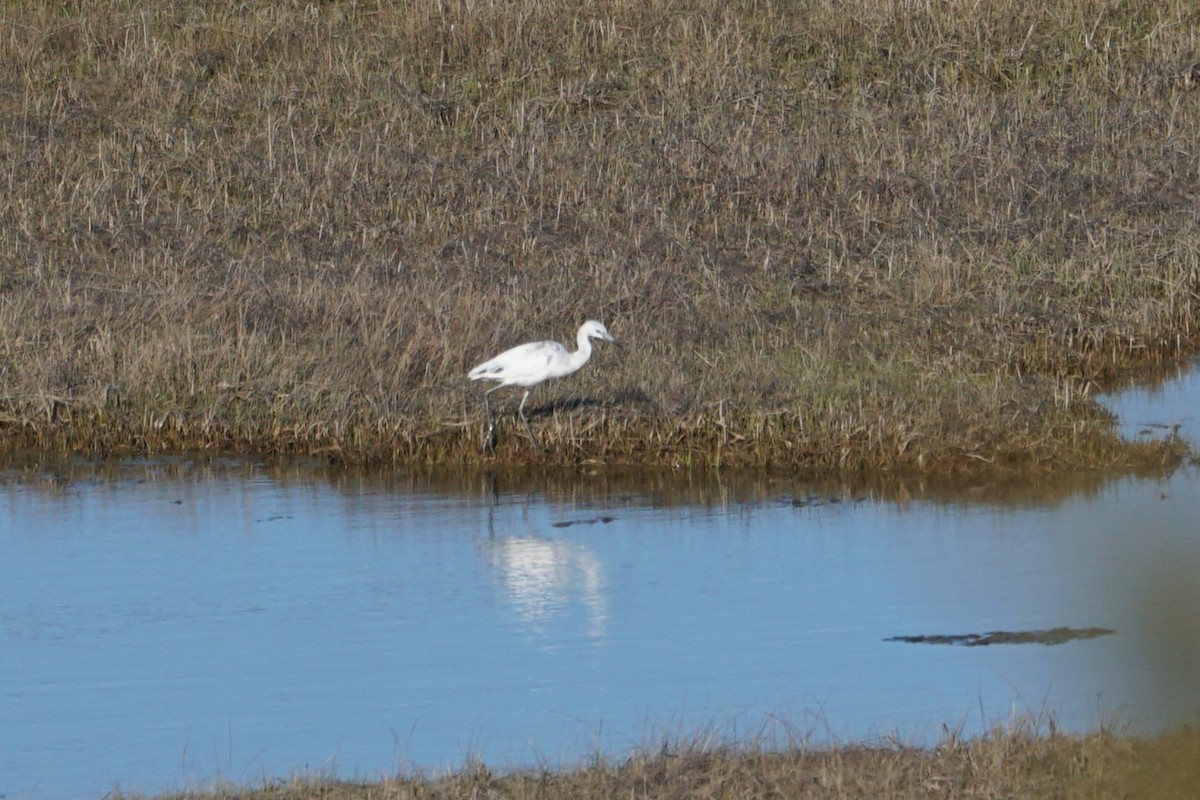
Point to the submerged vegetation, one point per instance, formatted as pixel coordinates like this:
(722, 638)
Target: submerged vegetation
(917, 236)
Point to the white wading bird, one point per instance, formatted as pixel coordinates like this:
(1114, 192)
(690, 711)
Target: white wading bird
(529, 364)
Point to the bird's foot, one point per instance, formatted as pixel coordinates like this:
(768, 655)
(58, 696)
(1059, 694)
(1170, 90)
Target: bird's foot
(489, 440)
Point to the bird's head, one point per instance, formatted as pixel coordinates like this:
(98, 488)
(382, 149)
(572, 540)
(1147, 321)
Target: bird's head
(596, 330)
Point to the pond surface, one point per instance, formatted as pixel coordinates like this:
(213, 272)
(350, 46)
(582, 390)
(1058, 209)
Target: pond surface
(168, 623)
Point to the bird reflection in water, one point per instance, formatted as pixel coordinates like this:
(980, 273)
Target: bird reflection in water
(544, 578)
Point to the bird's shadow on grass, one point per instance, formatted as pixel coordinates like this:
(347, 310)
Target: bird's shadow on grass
(622, 399)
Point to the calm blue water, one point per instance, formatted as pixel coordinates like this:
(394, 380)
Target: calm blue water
(1170, 404)
(166, 624)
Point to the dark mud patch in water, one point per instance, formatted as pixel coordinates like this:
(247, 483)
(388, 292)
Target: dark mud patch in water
(1046, 637)
(592, 521)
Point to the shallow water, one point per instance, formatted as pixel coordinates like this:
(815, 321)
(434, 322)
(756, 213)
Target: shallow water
(167, 623)
(1167, 404)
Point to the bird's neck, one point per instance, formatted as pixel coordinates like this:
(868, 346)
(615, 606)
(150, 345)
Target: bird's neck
(580, 356)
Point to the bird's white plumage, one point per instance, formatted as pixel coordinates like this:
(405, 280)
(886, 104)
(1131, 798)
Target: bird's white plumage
(533, 362)
(529, 364)
(524, 365)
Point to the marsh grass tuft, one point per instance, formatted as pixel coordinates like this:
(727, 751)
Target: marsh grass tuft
(917, 236)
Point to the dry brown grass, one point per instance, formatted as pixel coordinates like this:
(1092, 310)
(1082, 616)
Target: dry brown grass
(1006, 764)
(914, 236)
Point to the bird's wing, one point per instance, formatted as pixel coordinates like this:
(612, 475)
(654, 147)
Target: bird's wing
(528, 360)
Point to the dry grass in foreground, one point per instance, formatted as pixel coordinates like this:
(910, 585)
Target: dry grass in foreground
(1011, 765)
(915, 236)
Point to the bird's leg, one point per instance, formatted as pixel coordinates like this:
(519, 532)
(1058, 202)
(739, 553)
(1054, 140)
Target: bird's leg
(489, 438)
(529, 430)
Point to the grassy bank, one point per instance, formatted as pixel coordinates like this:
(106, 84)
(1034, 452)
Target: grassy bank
(917, 236)
(1008, 764)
